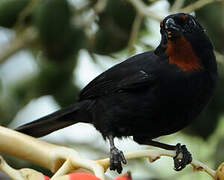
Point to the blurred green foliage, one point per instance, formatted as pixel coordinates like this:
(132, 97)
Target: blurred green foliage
(115, 25)
(62, 34)
(10, 10)
(58, 35)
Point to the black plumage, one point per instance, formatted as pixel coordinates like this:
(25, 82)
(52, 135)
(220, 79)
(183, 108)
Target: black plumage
(149, 95)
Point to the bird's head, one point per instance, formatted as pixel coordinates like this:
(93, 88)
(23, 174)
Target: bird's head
(184, 40)
(181, 24)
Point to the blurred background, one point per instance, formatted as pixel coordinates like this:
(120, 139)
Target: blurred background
(50, 49)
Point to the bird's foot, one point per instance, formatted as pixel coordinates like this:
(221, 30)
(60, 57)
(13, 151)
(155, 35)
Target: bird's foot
(186, 159)
(116, 158)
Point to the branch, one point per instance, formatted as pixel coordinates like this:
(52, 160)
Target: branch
(30, 174)
(28, 10)
(19, 42)
(47, 155)
(143, 10)
(98, 8)
(197, 5)
(27, 36)
(12, 173)
(219, 57)
(177, 5)
(154, 155)
(134, 32)
(63, 160)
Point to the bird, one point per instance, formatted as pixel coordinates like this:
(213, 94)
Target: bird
(152, 94)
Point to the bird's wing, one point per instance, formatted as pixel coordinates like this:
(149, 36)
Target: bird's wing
(136, 80)
(128, 75)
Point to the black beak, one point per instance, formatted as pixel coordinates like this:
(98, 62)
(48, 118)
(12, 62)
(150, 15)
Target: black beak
(170, 31)
(170, 25)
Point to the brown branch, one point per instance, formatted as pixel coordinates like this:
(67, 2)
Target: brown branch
(178, 4)
(134, 33)
(26, 12)
(98, 8)
(18, 43)
(143, 10)
(197, 5)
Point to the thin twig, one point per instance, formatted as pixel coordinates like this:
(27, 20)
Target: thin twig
(197, 5)
(134, 33)
(25, 38)
(178, 4)
(143, 10)
(26, 12)
(18, 43)
(98, 8)
(154, 155)
(219, 57)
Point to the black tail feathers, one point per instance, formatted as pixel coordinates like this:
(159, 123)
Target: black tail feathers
(57, 120)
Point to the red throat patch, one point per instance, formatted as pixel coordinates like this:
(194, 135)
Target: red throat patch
(180, 52)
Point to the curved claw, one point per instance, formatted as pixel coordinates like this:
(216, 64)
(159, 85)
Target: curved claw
(116, 158)
(180, 164)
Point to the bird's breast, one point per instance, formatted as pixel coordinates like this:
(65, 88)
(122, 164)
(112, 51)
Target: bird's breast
(181, 53)
(188, 95)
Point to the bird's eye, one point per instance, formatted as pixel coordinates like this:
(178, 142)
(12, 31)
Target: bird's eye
(191, 22)
(186, 20)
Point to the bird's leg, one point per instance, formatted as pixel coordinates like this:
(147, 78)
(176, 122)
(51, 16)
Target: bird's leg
(116, 156)
(179, 164)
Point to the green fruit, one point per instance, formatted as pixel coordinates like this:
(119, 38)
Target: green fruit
(10, 10)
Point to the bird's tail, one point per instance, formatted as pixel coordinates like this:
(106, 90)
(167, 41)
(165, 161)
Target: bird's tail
(57, 120)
